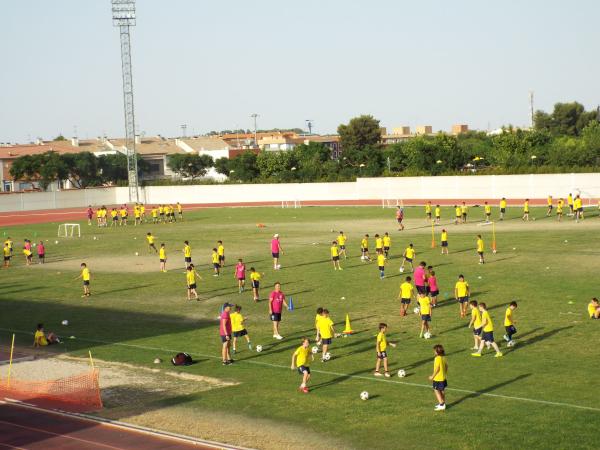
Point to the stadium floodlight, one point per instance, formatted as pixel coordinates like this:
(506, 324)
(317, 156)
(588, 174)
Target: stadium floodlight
(123, 14)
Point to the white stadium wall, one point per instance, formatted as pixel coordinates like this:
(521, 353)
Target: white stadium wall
(365, 190)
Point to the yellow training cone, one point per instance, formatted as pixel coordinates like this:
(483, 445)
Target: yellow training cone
(348, 328)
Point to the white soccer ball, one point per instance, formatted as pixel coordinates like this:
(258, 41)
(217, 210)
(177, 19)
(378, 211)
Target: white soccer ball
(342, 298)
(94, 237)
(494, 251)
(135, 238)
(364, 395)
(511, 344)
(362, 258)
(566, 241)
(417, 310)
(514, 248)
(259, 348)
(401, 269)
(401, 373)
(56, 242)
(137, 254)
(65, 322)
(157, 361)
(315, 349)
(278, 266)
(427, 335)
(326, 356)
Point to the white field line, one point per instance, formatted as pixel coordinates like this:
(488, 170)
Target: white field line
(337, 374)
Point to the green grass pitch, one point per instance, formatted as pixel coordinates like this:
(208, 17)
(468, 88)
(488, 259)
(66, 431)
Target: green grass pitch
(542, 394)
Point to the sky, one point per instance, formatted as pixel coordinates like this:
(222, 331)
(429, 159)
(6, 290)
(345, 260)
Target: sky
(211, 64)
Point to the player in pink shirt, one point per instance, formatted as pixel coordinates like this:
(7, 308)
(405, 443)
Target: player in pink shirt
(276, 304)
(41, 251)
(90, 214)
(276, 249)
(225, 333)
(240, 275)
(419, 277)
(434, 290)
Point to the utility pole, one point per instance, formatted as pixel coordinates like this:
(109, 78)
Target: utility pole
(531, 124)
(254, 116)
(183, 130)
(123, 14)
(309, 124)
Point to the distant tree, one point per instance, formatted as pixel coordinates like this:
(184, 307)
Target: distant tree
(83, 169)
(567, 119)
(361, 132)
(60, 137)
(190, 165)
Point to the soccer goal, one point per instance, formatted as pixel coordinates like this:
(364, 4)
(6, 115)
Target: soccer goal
(291, 204)
(69, 230)
(391, 203)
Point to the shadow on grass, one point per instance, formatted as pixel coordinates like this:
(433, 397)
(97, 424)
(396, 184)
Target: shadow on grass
(538, 338)
(488, 389)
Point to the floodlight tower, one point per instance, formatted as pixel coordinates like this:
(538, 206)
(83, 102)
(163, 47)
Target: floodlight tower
(123, 13)
(309, 124)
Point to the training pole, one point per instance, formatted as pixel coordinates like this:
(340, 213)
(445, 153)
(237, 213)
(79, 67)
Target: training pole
(91, 359)
(494, 237)
(12, 348)
(432, 235)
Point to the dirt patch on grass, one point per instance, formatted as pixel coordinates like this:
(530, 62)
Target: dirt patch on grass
(143, 263)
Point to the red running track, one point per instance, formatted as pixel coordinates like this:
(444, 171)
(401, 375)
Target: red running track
(23, 427)
(76, 214)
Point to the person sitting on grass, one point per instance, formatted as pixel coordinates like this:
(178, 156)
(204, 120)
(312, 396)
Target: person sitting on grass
(594, 309)
(41, 339)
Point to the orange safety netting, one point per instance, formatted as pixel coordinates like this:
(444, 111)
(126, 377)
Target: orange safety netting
(75, 393)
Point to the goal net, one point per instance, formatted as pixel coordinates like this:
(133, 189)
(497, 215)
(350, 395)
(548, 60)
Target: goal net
(291, 204)
(391, 203)
(69, 230)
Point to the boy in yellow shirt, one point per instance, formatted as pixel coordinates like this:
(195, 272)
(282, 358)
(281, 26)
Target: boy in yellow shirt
(549, 211)
(475, 322)
(525, 210)
(179, 211)
(487, 209)
(480, 248)
(215, 262)
(85, 276)
(221, 253)
(463, 211)
(444, 239)
(461, 294)
(341, 240)
(238, 327)
(364, 248)
(428, 211)
(255, 280)
(381, 349)
(151, 245)
(378, 244)
(594, 309)
(187, 253)
(407, 292)
(559, 209)
(335, 255)
(301, 359)
(438, 214)
(509, 324)
(439, 377)
(387, 243)
(326, 332)
(381, 265)
(41, 339)
(457, 214)
(190, 278)
(409, 255)
(7, 255)
(162, 256)
(502, 208)
(425, 310)
(318, 318)
(487, 335)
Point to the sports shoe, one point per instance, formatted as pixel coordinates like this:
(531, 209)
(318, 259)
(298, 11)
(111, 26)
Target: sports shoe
(305, 390)
(476, 354)
(377, 374)
(249, 345)
(506, 338)
(475, 348)
(279, 337)
(498, 355)
(440, 407)
(387, 374)
(226, 363)
(233, 350)
(341, 268)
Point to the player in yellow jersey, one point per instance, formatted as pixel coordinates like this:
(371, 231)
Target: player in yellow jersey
(238, 327)
(438, 214)
(114, 214)
(179, 211)
(381, 349)
(318, 318)
(150, 238)
(143, 212)
(154, 213)
(9, 243)
(444, 239)
(502, 208)
(123, 215)
(461, 294)
(549, 201)
(378, 244)
(187, 253)
(221, 253)
(406, 294)
(487, 209)
(215, 262)
(475, 322)
(381, 265)
(326, 332)
(594, 309)
(7, 255)
(137, 215)
(526, 210)
(85, 276)
(364, 248)
(99, 217)
(162, 256)
(387, 243)
(428, 211)
(301, 359)
(509, 324)
(570, 203)
(425, 311)
(463, 212)
(341, 240)
(161, 213)
(439, 377)
(457, 214)
(255, 280)
(480, 248)
(559, 209)
(578, 206)
(487, 335)
(408, 255)
(190, 278)
(335, 255)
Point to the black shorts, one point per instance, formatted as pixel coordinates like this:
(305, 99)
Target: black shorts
(86, 282)
(382, 355)
(480, 253)
(342, 247)
(477, 331)
(42, 255)
(550, 207)
(463, 299)
(188, 259)
(408, 259)
(510, 329)
(115, 218)
(335, 258)
(163, 260)
(488, 215)
(487, 336)
(421, 289)
(444, 243)
(464, 215)
(434, 293)
(225, 338)
(440, 385)
(221, 258)
(364, 249)
(326, 341)
(426, 317)
(192, 286)
(386, 249)
(255, 284)
(502, 210)
(276, 317)
(405, 301)
(275, 254)
(303, 369)
(429, 215)
(151, 245)
(240, 333)
(381, 268)
(7, 258)
(216, 265)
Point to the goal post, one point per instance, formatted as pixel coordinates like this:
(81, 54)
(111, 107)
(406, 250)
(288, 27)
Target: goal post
(291, 204)
(69, 230)
(391, 203)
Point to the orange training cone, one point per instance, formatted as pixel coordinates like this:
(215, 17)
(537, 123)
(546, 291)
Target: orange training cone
(348, 328)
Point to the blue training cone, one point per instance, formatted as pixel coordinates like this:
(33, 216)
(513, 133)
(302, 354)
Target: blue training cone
(291, 304)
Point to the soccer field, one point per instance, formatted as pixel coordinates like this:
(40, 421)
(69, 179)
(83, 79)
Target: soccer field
(542, 394)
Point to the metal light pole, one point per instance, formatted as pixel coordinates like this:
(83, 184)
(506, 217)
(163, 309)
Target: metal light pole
(254, 116)
(309, 124)
(123, 12)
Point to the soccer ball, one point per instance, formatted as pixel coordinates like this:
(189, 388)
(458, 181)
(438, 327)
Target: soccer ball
(56, 242)
(401, 373)
(157, 361)
(259, 348)
(362, 257)
(427, 335)
(137, 254)
(510, 344)
(278, 266)
(65, 322)
(94, 237)
(416, 310)
(364, 395)
(401, 269)
(326, 356)
(494, 251)
(315, 349)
